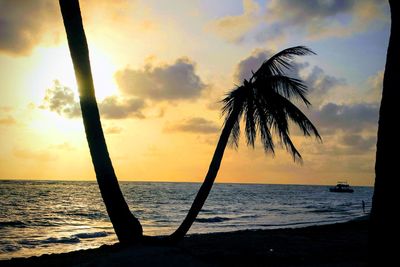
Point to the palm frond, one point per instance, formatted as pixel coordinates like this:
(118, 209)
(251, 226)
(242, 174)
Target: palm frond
(281, 61)
(228, 101)
(235, 135)
(298, 117)
(249, 112)
(282, 129)
(284, 85)
(290, 147)
(232, 110)
(279, 122)
(264, 124)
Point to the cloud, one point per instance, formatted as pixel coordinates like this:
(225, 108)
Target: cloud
(316, 19)
(358, 143)
(342, 145)
(61, 99)
(234, 28)
(375, 83)
(194, 125)
(245, 67)
(114, 108)
(177, 81)
(326, 18)
(5, 109)
(348, 118)
(113, 130)
(319, 83)
(24, 24)
(7, 121)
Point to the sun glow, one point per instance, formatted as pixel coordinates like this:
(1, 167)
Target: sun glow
(55, 64)
(103, 71)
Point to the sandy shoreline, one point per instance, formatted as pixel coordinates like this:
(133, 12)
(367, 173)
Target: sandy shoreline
(343, 244)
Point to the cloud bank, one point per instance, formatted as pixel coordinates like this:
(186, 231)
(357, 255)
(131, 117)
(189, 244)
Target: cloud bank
(315, 19)
(177, 81)
(23, 24)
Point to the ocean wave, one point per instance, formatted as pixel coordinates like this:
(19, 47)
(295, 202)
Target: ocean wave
(61, 240)
(212, 220)
(30, 243)
(91, 235)
(9, 248)
(327, 210)
(249, 216)
(44, 222)
(18, 224)
(305, 223)
(90, 215)
(205, 211)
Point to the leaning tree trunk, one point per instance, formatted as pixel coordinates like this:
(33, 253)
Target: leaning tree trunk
(383, 222)
(205, 188)
(126, 226)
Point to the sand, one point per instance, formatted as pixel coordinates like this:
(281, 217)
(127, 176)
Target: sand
(343, 244)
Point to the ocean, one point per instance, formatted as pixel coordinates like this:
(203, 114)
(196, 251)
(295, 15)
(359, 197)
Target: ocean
(41, 217)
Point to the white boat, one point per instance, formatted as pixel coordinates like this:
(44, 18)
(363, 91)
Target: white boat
(342, 187)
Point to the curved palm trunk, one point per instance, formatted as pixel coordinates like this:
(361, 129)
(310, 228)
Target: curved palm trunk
(385, 199)
(205, 188)
(126, 226)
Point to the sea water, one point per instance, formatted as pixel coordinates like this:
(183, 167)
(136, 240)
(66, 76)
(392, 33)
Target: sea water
(38, 217)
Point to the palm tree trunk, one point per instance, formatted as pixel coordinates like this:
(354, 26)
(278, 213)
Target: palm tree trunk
(205, 188)
(385, 199)
(126, 226)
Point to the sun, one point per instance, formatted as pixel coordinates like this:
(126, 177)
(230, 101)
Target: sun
(55, 64)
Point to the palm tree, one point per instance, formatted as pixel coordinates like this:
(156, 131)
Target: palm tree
(126, 226)
(385, 200)
(264, 103)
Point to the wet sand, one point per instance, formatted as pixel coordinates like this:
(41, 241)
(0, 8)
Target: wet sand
(343, 244)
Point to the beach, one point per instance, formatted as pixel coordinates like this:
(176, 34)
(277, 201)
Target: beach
(340, 244)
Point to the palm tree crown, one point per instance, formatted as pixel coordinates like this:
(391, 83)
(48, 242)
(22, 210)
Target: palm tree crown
(264, 102)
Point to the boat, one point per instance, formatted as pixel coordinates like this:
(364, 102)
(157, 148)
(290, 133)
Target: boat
(342, 187)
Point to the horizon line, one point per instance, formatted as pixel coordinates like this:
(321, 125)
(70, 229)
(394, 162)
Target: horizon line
(155, 181)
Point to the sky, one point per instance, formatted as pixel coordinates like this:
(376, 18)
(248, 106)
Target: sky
(160, 68)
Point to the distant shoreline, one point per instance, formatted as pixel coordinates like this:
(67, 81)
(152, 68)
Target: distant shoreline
(340, 244)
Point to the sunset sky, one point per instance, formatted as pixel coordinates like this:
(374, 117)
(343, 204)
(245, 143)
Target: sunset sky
(161, 66)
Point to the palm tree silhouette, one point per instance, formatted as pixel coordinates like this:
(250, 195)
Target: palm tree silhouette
(383, 220)
(126, 226)
(264, 102)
